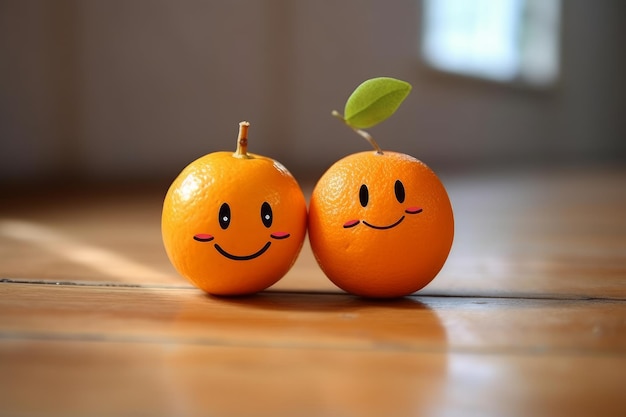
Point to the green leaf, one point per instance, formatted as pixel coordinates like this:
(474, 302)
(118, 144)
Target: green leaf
(374, 101)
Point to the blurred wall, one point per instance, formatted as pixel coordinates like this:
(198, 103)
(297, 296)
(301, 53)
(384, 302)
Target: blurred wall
(137, 89)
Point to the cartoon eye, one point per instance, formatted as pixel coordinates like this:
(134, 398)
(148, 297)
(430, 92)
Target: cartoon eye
(224, 216)
(266, 214)
(399, 189)
(364, 195)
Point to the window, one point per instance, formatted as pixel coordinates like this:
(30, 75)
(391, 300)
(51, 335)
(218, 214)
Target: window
(500, 40)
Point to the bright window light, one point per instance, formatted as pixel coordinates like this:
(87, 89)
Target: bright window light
(501, 40)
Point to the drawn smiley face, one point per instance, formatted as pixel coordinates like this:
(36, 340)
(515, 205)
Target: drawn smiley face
(224, 219)
(400, 196)
(234, 226)
(380, 225)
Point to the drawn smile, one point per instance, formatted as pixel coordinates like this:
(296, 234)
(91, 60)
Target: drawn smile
(410, 210)
(373, 226)
(205, 237)
(245, 257)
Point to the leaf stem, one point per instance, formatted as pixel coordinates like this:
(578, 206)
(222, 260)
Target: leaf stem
(242, 141)
(360, 132)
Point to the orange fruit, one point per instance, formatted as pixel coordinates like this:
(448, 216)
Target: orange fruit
(234, 223)
(380, 224)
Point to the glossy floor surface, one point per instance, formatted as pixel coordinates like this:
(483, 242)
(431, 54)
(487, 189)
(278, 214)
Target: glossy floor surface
(527, 318)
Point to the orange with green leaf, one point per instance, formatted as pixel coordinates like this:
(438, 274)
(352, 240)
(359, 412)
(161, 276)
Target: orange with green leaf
(380, 222)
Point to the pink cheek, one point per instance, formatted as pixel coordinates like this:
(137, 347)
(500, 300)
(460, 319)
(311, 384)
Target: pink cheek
(280, 235)
(203, 237)
(350, 223)
(413, 210)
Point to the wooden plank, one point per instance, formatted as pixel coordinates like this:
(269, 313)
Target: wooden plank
(552, 234)
(112, 236)
(77, 378)
(537, 234)
(272, 319)
(527, 318)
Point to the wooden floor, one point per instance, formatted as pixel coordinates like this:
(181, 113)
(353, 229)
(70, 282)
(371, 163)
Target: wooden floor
(527, 318)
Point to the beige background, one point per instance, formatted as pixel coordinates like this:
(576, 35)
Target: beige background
(134, 90)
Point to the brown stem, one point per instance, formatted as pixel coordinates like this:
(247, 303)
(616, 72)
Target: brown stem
(242, 141)
(360, 132)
